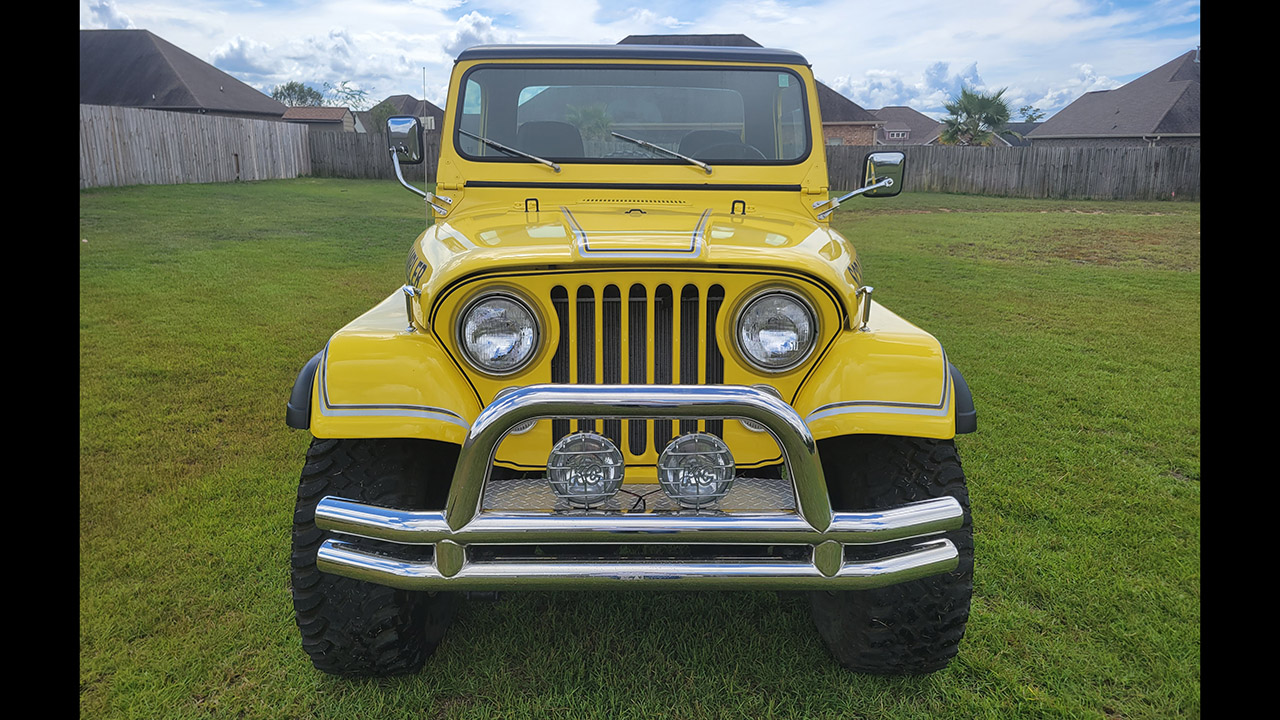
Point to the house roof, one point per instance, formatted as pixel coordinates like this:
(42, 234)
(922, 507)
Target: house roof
(835, 108)
(1164, 101)
(410, 105)
(316, 114)
(924, 129)
(1023, 129)
(136, 68)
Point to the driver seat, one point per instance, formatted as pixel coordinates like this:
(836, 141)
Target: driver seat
(549, 139)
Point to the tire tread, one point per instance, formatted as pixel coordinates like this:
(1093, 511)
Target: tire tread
(913, 627)
(350, 627)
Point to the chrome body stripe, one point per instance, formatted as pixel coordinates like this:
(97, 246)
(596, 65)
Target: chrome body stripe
(379, 410)
(940, 409)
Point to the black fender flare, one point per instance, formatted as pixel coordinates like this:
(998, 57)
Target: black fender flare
(297, 413)
(966, 415)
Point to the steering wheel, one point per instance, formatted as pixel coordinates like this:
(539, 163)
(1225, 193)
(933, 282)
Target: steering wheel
(729, 151)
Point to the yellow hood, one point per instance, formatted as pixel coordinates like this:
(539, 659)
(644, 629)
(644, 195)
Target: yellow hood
(611, 233)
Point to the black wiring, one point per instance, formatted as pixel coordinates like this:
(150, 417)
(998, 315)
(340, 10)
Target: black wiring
(640, 505)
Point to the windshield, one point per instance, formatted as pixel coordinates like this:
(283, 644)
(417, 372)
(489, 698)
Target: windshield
(725, 116)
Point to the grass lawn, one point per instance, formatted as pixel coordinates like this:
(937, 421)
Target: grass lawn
(1076, 324)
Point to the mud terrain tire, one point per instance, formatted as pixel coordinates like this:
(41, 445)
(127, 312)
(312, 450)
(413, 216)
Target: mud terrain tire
(350, 627)
(913, 627)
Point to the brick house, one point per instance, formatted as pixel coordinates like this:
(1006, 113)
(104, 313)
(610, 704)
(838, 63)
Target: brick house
(905, 126)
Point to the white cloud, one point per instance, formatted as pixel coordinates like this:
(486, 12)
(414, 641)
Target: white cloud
(243, 55)
(935, 85)
(103, 15)
(648, 18)
(474, 29)
(772, 11)
(910, 52)
(1085, 80)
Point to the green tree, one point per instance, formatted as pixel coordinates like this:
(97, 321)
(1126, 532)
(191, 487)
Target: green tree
(344, 94)
(1030, 114)
(295, 94)
(975, 119)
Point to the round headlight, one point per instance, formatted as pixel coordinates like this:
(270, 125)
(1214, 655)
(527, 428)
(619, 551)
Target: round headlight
(498, 334)
(776, 331)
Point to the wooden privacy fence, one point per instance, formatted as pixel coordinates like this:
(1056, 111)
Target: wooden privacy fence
(1087, 173)
(129, 146)
(132, 146)
(361, 155)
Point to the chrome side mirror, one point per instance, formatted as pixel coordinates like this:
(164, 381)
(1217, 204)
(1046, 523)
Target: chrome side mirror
(881, 165)
(405, 136)
(882, 174)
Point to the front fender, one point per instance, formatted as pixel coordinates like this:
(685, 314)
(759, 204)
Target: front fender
(374, 379)
(892, 379)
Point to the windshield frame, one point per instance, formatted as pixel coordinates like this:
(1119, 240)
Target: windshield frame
(456, 124)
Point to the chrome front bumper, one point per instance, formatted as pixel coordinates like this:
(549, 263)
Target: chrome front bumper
(457, 534)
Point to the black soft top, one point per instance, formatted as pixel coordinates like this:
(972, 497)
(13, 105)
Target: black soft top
(633, 52)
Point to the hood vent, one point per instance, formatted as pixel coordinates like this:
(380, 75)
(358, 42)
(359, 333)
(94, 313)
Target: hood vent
(612, 201)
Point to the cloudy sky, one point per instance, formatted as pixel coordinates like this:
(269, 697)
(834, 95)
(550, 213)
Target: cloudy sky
(882, 52)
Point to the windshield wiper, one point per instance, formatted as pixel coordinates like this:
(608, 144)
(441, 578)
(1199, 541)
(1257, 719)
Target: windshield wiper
(499, 146)
(659, 148)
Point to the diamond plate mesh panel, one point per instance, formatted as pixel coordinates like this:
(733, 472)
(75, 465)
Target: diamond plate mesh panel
(534, 495)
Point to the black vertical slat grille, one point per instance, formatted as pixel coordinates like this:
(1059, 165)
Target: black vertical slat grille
(611, 347)
(586, 346)
(663, 307)
(560, 361)
(637, 348)
(689, 346)
(715, 361)
(666, 368)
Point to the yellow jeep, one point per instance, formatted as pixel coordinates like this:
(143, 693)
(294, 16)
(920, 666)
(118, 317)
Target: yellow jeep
(631, 353)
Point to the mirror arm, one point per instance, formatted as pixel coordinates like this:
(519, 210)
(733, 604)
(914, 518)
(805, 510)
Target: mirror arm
(400, 176)
(887, 182)
(425, 195)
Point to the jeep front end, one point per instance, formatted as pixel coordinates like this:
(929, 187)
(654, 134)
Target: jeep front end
(630, 352)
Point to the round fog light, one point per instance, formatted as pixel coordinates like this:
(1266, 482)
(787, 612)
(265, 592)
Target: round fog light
(585, 468)
(696, 469)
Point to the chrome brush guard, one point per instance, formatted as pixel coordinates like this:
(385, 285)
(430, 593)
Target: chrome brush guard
(462, 536)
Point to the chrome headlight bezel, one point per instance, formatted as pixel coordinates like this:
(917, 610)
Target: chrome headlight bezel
(480, 298)
(751, 301)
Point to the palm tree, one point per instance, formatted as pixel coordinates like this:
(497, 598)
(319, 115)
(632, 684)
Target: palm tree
(975, 118)
(593, 121)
